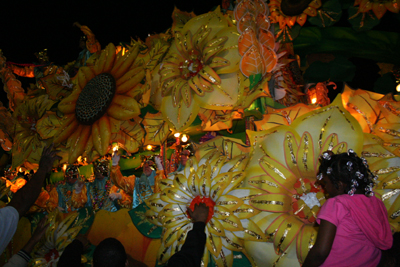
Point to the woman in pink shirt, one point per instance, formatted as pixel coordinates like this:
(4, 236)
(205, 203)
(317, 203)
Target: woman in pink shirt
(354, 225)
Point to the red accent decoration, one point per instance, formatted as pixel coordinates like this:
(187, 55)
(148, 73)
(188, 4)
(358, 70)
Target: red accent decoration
(52, 254)
(209, 203)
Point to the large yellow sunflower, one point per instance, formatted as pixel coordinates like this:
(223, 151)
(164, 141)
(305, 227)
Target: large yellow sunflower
(284, 164)
(200, 69)
(105, 95)
(291, 199)
(215, 177)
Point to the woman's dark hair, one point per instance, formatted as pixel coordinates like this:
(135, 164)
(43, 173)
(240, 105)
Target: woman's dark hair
(348, 168)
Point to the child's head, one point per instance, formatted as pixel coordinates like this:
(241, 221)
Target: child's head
(347, 170)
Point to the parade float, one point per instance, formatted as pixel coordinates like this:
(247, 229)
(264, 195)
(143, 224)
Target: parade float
(245, 88)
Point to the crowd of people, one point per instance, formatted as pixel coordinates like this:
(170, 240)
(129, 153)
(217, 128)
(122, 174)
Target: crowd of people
(353, 223)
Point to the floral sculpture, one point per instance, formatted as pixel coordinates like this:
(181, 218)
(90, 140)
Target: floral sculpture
(99, 109)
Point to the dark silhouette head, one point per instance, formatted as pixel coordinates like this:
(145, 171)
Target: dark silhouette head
(109, 253)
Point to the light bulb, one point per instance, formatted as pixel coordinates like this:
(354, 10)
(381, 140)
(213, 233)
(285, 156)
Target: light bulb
(177, 135)
(149, 147)
(398, 88)
(184, 138)
(314, 100)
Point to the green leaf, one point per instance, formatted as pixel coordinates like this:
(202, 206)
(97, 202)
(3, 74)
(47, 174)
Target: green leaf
(362, 21)
(254, 79)
(287, 34)
(339, 69)
(328, 15)
(385, 84)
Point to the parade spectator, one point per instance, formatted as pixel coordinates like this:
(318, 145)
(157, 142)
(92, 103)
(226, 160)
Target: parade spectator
(25, 197)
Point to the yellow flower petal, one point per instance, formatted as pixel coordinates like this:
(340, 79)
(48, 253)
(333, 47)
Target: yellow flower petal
(272, 202)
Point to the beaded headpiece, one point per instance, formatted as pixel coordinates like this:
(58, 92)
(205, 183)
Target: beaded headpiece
(102, 166)
(75, 171)
(356, 168)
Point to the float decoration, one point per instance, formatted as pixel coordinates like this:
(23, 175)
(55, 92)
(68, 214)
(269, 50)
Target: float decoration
(58, 235)
(284, 116)
(377, 7)
(328, 14)
(256, 42)
(15, 93)
(6, 128)
(362, 21)
(193, 75)
(157, 129)
(28, 144)
(92, 116)
(180, 18)
(58, 86)
(214, 178)
(291, 200)
(287, 30)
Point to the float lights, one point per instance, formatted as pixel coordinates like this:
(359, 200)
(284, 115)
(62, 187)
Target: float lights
(149, 147)
(313, 100)
(177, 135)
(184, 138)
(115, 148)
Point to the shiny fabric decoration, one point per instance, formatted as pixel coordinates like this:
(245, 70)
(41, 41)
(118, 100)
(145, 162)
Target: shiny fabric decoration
(200, 70)
(256, 41)
(284, 164)
(59, 234)
(214, 174)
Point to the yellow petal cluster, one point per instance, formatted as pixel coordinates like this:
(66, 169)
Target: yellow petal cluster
(200, 69)
(217, 173)
(58, 236)
(284, 164)
(103, 100)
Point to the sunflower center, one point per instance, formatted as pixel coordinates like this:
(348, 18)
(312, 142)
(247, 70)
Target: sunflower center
(95, 98)
(190, 67)
(308, 200)
(209, 203)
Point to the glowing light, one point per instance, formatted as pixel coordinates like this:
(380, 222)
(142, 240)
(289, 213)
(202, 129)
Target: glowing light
(79, 159)
(115, 148)
(177, 135)
(149, 147)
(314, 100)
(20, 169)
(64, 167)
(398, 88)
(123, 51)
(184, 138)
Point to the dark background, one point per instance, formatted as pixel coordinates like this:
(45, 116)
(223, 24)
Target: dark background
(27, 27)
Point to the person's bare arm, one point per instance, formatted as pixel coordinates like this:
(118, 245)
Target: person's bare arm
(27, 195)
(322, 246)
(37, 235)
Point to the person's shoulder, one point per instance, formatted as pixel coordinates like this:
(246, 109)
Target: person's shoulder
(9, 211)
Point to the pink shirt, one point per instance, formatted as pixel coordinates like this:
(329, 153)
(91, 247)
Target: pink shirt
(362, 230)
